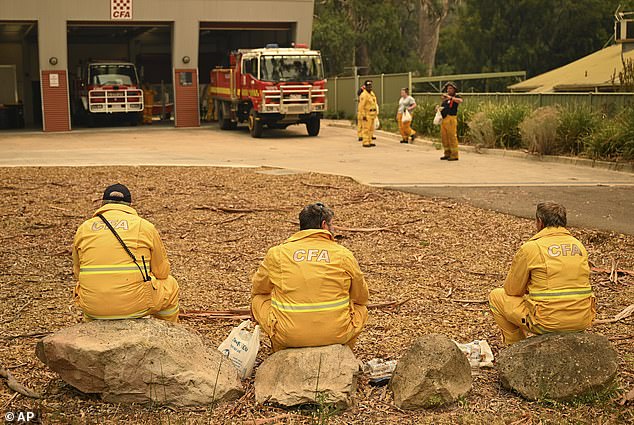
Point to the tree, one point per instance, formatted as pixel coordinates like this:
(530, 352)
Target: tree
(380, 37)
(531, 35)
(431, 16)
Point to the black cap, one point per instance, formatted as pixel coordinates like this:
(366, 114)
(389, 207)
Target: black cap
(117, 192)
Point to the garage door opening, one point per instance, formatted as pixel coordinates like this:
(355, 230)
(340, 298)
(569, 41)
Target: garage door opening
(108, 64)
(218, 39)
(20, 96)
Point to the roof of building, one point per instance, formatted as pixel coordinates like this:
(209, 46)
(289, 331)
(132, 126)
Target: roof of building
(590, 73)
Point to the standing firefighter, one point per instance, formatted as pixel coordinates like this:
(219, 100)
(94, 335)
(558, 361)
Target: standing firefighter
(359, 117)
(122, 265)
(406, 105)
(368, 110)
(309, 291)
(449, 126)
(548, 287)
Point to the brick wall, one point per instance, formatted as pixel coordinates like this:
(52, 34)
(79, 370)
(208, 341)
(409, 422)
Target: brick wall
(186, 98)
(55, 108)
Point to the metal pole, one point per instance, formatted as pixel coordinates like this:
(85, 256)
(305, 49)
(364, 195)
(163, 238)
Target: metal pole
(409, 81)
(382, 91)
(356, 88)
(336, 95)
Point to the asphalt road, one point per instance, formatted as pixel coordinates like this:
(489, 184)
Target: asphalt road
(601, 207)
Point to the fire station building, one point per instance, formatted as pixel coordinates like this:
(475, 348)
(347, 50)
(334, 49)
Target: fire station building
(173, 43)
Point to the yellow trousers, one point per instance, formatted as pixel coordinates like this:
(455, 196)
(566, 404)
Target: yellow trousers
(449, 135)
(404, 127)
(359, 126)
(147, 113)
(367, 129)
(164, 302)
(261, 312)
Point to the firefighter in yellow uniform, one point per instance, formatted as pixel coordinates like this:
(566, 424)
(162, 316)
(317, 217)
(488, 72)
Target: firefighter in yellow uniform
(368, 110)
(148, 103)
(112, 285)
(547, 288)
(309, 291)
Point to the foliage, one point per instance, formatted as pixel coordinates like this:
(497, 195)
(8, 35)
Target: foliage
(539, 130)
(481, 131)
(536, 35)
(506, 118)
(423, 119)
(613, 139)
(377, 36)
(575, 125)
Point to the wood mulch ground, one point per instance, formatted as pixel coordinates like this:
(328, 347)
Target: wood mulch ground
(433, 252)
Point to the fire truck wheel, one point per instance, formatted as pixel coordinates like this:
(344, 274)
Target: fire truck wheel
(312, 126)
(225, 123)
(255, 124)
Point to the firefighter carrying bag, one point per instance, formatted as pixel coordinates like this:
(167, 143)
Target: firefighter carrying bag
(241, 347)
(146, 275)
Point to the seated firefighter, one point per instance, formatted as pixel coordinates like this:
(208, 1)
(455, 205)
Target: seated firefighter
(121, 264)
(547, 288)
(309, 291)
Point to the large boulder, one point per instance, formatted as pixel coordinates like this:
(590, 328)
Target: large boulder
(140, 361)
(311, 375)
(558, 366)
(432, 372)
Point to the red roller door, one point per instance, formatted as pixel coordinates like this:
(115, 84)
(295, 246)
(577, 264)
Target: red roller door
(186, 98)
(55, 101)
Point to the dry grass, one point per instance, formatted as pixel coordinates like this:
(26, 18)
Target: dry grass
(451, 246)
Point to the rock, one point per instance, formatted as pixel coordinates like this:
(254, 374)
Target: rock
(433, 372)
(558, 366)
(297, 375)
(140, 361)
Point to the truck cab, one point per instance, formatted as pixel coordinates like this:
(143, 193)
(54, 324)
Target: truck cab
(273, 87)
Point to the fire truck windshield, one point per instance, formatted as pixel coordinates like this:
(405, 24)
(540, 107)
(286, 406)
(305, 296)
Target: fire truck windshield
(291, 68)
(113, 74)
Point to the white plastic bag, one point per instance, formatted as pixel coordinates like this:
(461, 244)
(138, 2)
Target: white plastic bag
(241, 347)
(377, 123)
(407, 117)
(438, 118)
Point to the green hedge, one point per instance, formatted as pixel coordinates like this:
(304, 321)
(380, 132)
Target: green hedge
(552, 130)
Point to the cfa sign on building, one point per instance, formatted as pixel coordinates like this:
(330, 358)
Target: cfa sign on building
(121, 9)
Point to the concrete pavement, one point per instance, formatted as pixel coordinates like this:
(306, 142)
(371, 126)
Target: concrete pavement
(415, 168)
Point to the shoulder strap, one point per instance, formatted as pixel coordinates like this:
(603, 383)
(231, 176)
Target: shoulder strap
(146, 277)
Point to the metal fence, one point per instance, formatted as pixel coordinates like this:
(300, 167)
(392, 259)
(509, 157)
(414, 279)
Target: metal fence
(608, 103)
(342, 96)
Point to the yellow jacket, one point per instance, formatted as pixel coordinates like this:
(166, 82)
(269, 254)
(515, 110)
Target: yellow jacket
(315, 286)
(551, 271)
(110, 284)
(367, 104)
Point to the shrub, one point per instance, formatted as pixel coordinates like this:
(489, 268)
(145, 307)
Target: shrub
(575, 126)
(423, 119)
(613, 139)
(481, 131)
(539, 130)
(506, 119)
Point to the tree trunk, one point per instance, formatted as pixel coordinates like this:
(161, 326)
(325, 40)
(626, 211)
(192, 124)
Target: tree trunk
(432, 14)
(362, 59)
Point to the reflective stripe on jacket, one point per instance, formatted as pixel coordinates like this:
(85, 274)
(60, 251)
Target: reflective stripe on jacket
(551, 271)
(367, 104)
(110, 284)
(314, 284)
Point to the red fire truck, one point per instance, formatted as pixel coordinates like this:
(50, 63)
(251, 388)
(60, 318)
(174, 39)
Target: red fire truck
(108, 89)
(273, 87)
